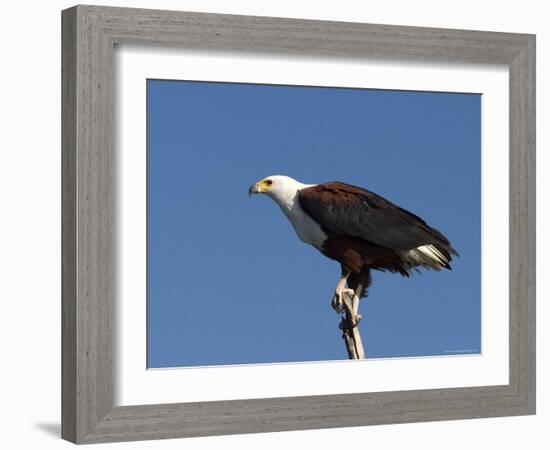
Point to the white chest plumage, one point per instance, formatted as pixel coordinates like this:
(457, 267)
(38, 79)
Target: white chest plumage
(306, 228)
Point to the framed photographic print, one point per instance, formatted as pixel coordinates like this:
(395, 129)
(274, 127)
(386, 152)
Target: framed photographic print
(279, 224)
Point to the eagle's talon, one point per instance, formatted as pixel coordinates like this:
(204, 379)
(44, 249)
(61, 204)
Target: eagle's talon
(337, 306)
(356, 319)
(342, 324)
(339, 299)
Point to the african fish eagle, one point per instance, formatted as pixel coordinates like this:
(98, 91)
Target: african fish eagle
(359, 229)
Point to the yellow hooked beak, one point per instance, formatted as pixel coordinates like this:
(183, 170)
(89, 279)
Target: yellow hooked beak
(260, 187)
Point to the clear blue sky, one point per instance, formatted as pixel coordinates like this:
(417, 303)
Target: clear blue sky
(229, 282)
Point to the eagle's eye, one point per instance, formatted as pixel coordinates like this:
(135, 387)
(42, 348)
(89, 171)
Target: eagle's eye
(268, 182)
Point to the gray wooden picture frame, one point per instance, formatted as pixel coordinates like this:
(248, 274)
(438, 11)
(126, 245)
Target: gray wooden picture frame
(89, 35)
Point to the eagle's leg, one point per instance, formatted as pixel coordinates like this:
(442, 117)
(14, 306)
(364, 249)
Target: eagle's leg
(359, 282)
(342, 295)
(354, 309)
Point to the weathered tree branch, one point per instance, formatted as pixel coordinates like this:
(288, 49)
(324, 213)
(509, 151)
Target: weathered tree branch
(349, 325)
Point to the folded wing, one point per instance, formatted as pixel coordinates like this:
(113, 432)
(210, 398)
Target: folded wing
(348, 210)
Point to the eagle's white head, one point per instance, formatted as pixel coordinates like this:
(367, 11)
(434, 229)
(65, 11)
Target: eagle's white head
(280, 188)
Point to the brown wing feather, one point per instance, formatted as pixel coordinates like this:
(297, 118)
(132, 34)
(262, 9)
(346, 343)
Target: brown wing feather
(347, 210)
